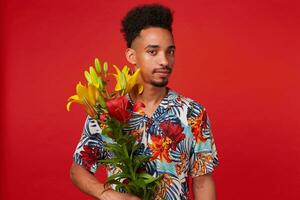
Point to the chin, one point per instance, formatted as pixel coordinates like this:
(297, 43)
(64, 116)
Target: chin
(159, 83)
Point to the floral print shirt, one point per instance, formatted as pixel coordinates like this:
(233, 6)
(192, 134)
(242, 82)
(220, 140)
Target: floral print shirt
(177, 136)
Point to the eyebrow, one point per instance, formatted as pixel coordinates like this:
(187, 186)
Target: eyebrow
(157, 46)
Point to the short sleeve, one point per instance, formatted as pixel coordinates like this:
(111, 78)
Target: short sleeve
(90, 148)
(203, 155)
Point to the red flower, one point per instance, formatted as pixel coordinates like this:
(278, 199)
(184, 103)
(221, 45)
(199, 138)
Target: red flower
(172, 131)
(141, 170)
(118, 109)
(89, 156)
(138, 106)
(160, 146)
(102, 117)
(125, 181)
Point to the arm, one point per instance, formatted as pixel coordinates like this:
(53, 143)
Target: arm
(86, 181)
(90, 185)
(204, 188)
(88, 151)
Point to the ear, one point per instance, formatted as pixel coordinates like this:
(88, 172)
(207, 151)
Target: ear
(130, 56)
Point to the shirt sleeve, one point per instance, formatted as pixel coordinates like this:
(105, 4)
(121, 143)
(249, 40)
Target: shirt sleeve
(203, 157)
(90, 148)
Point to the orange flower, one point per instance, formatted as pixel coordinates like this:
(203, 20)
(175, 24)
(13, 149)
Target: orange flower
(172, 135)
(183, 159)
(200, 165)
(197, 125)
(160, 147)
(166, 182)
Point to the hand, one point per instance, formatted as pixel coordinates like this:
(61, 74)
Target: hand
(114, 195)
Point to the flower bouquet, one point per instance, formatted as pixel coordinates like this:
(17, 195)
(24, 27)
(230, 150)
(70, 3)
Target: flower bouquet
(112, 112)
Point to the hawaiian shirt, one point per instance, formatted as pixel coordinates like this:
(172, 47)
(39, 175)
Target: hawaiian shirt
(178, 136)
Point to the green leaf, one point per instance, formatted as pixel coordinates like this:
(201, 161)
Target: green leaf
(145, 176)
(148, 178)
(97, 65)
(136, 147)
(139, 160)
(101, 102)
(100, 83)
(106, 131)
(116, 149)
(117, 176)
(140, 183)
(111, 161)
(121, 187)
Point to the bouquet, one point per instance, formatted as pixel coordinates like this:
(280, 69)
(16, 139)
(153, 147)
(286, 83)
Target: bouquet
(112, 112)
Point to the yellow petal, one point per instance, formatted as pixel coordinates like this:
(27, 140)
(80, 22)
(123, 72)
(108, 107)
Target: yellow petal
(121, 79)
(81, 91)
(136, 74)
(127, 74)
(68, 105)
(92, 95)
(132, 80)
(88, 98)
(125, 71)
(141, 88)
(118, 86)
(117, 70)
(72, 99)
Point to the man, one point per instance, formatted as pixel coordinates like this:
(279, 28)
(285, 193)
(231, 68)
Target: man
(174, 130)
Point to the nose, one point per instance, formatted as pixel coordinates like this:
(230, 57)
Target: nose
(163, 60)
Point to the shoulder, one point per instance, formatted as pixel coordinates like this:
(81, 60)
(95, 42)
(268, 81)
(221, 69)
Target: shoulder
(91, 126)
(193, 107)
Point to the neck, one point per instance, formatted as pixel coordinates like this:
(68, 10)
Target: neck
(151, 95)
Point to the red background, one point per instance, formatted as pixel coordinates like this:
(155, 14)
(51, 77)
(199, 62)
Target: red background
(240, 59)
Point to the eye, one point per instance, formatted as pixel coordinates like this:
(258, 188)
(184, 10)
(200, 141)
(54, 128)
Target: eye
(171, 52)
(152, 52)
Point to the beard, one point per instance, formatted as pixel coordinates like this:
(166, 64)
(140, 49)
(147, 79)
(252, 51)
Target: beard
(164, 81)
(161, 83)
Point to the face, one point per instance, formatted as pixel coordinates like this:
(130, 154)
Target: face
(153, 51)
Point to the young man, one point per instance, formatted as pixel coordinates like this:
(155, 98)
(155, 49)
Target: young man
(174, 130)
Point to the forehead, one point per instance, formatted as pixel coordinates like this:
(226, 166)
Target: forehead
(154, 36)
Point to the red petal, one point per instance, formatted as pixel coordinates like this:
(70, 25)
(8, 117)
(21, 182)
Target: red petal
(138, 106)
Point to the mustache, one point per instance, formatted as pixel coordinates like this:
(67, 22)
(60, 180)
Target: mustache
(165, 69)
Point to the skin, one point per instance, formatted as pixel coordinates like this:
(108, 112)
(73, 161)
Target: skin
(90, 185)
(153, 51)
(203, 188)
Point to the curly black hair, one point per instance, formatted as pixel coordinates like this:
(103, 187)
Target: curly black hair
(145, 16)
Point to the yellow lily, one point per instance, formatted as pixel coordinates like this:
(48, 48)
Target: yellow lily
(93, 78)
(125, 81)
(87, 96)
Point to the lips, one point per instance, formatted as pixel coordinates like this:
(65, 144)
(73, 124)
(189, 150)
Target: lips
(162, 71)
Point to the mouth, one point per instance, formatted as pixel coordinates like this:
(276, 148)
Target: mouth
(162, 71)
